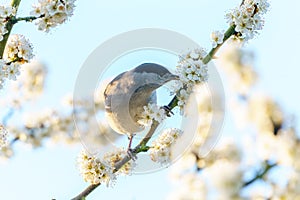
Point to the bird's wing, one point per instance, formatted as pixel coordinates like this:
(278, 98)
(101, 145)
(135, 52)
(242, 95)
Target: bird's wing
(108, 92)
(107, 89)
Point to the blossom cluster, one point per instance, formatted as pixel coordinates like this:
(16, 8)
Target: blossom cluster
(204, 118)
(52, 13)
(248, 18)
(216, 176)
(275, 140)
(31, 81)
(152, 112)
(191, 71)
(55, 125)
(239, 65)
(112, 158)
(95, 170)
(18, 51)
(193, 157)
(10, 72)
(161, 148)
(192, 187)
(3, 137)
(270, 118)
(59, 127)
(6, 12)
(267, 153)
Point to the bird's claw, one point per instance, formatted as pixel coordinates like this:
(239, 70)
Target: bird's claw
(131, 154)
(168, 110)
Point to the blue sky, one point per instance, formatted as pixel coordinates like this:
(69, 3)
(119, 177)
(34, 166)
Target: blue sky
(51, 173)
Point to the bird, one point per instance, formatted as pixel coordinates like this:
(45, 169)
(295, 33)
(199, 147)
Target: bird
(127, 94)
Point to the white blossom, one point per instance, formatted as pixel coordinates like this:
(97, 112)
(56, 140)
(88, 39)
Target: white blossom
(191, 71)
(112, 158)
(31, 81)
(191, 188)
(6, 152)
(182, 97)
(216, 38)
(93, 170)
(18, 49)
(239, 65)
(52, 13)
(225, 177)
(248, 18)
(160, 150)
(152, 112)
(8, 71)
(102, 170)
(57, 126)
(269, 115)
(12, 71)
(215, 176)
(5, 13)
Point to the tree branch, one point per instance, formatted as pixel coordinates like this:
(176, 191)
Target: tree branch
(230, 31)
(267, 168)
(9, 26)
(86, 192)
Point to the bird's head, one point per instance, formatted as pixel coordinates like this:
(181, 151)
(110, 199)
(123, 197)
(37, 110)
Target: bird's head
(163, 74)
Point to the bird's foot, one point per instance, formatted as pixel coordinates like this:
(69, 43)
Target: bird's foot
(168, 111)
(131, 154)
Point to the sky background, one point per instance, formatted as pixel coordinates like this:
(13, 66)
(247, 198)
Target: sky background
(51, 172)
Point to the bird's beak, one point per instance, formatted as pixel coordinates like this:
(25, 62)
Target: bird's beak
(174, 77)
(170, 77)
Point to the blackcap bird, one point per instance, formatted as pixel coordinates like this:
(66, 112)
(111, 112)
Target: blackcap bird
(127, 94)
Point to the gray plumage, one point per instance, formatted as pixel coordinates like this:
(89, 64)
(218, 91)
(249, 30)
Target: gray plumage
(127, 94)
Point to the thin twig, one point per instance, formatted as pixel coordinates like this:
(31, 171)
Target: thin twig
(7, 116)
(26, 19)
(230, 31)
(261, 175)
